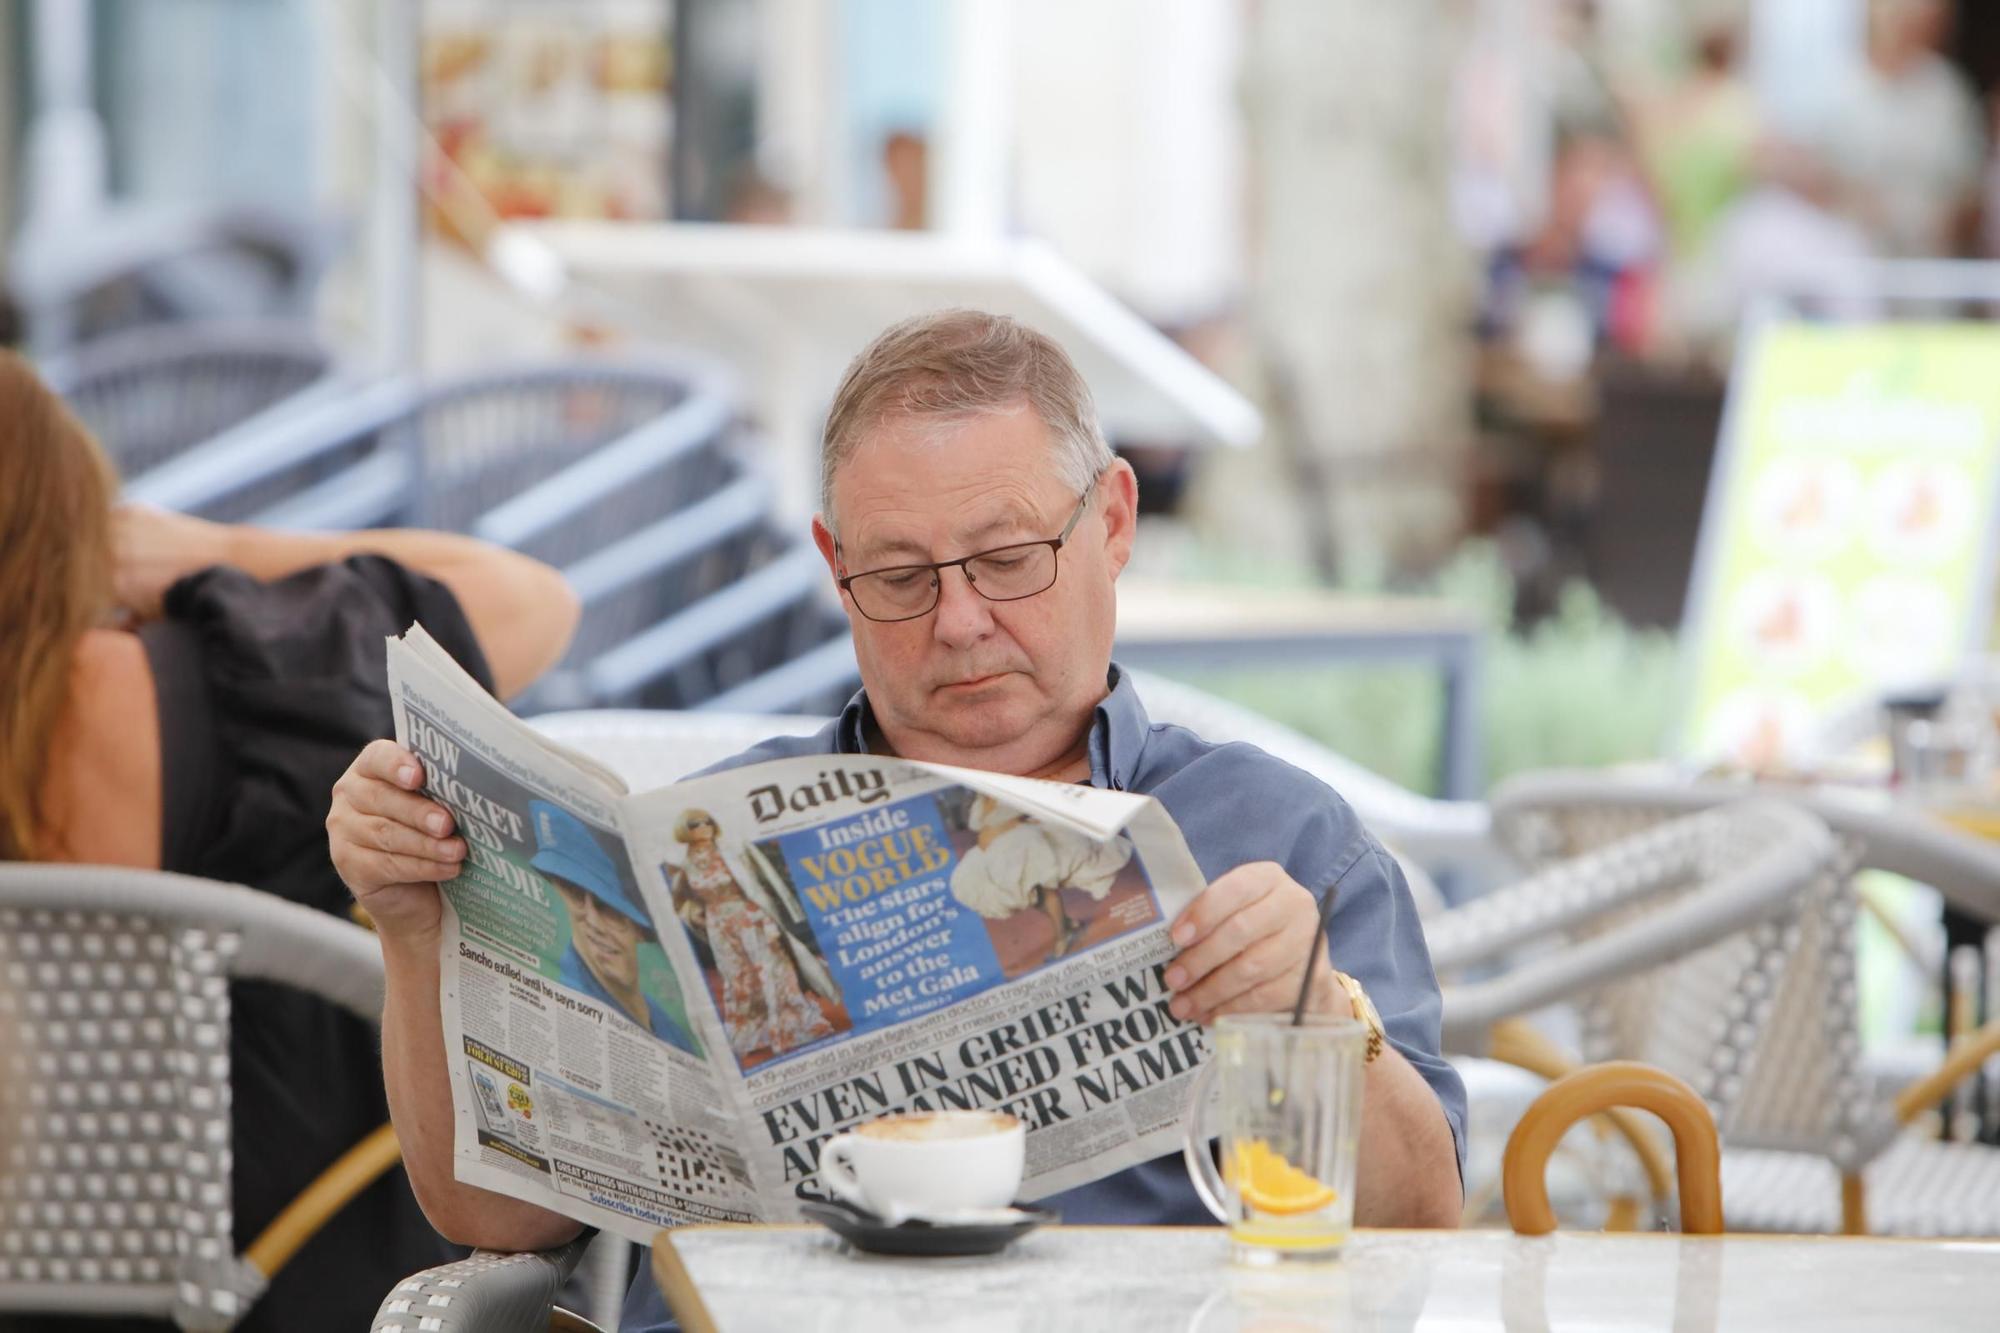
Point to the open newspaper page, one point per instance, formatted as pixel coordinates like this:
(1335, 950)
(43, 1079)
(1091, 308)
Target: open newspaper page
(878, 936)
(659, 1006)
(579, 1080)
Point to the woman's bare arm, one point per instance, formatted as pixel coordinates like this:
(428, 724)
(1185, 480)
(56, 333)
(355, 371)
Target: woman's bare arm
(520, 610)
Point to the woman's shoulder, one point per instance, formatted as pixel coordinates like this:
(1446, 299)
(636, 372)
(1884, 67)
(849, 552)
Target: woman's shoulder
(103, 774)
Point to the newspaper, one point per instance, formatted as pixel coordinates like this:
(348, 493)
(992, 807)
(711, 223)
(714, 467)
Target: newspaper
(657, 1006)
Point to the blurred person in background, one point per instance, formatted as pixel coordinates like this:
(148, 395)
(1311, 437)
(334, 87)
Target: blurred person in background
(1989, 203)
(1905, 144)
(1699, 138)
(1698, 141)
(1580, 281)
(181, 695)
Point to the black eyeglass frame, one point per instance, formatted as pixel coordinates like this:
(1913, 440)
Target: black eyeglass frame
(1055, 544)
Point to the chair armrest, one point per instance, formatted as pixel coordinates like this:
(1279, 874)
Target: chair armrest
(487, 1293)
(623, 462)
(1797, 849)
(1514, 1042)
(788, 580)
(1594, 1088)
(1963, 868)
(1961, 1062)
(805, 679)
(288, 437)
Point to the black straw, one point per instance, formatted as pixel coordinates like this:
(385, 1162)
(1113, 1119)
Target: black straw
(1320, 943)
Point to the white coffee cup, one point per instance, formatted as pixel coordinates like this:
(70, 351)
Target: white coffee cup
(927, 1163)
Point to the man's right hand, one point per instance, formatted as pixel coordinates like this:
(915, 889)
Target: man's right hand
(392, 846)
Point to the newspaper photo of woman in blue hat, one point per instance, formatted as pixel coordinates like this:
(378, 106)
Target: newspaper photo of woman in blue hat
(607, 922)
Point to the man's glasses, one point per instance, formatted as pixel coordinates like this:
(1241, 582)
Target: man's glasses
(1003, 574)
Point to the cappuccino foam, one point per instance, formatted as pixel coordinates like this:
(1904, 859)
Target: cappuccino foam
(937, 1126)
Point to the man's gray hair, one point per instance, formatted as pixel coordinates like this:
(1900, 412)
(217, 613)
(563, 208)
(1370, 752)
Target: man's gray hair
(953, 365)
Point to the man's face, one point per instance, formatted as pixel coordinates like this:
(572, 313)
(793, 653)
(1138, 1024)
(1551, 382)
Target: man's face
(607, 939)
(1004, 686)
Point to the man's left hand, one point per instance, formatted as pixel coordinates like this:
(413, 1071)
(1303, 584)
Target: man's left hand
(1244, 947)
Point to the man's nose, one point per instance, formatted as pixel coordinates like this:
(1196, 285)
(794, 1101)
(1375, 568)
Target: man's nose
(963, 616)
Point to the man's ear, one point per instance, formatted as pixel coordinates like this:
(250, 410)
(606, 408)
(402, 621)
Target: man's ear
(1121, 512)
(823, 538)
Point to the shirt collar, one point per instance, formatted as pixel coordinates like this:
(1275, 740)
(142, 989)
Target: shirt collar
(1118, 732)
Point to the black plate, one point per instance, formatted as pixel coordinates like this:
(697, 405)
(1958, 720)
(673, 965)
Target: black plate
(865, 1231)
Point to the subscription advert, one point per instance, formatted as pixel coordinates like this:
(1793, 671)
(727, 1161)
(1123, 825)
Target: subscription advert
(660, 1005)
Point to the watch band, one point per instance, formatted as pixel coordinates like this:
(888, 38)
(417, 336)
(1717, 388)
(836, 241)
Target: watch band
(1364, 1010)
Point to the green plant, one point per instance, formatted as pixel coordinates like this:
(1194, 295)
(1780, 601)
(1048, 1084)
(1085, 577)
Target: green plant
(1580, 688)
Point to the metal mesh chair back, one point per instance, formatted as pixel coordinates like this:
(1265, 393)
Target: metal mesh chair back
(620, 614)
(114, 1014)
(660, 491)
(1764, 1025)
(484, 440)
(119, 1079)
(149, 394)
(782, 635)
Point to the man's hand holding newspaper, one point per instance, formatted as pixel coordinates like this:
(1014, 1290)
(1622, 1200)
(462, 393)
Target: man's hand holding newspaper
(382, 787)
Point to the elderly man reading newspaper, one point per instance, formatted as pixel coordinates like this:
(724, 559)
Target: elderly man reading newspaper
(976, 522)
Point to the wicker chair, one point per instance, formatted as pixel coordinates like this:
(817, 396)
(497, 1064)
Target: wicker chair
(1601, 1088)
(488, 1293)
(1665, 940)
(114, 1005)
(150, 394)
(448, 453)
(1810, 1144)
(686, 610)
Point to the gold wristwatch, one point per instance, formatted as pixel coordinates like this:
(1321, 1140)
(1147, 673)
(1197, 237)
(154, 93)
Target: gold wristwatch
(1364, 1010)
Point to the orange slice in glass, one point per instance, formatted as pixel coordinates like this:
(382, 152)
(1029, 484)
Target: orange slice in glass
(1270, 1184)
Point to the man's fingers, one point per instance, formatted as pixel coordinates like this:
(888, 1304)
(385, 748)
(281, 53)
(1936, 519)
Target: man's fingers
(1275, 996)
(1228, 938)
(367, 866)
(379, 833)
(374, 798)
(396, 870)
(1223, 898)
(389, 762)
(369, 801)
(1274, 958)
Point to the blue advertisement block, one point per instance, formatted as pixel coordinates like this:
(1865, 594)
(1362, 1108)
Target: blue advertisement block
(873, 889)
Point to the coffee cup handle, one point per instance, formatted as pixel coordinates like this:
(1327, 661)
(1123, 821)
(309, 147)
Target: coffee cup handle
(837, 1172)
(1194, 1145)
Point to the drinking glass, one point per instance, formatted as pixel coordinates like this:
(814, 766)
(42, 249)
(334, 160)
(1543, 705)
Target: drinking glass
(1285, 1111)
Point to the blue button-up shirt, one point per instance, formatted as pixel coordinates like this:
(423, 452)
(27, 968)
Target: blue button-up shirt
(1235, 804)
